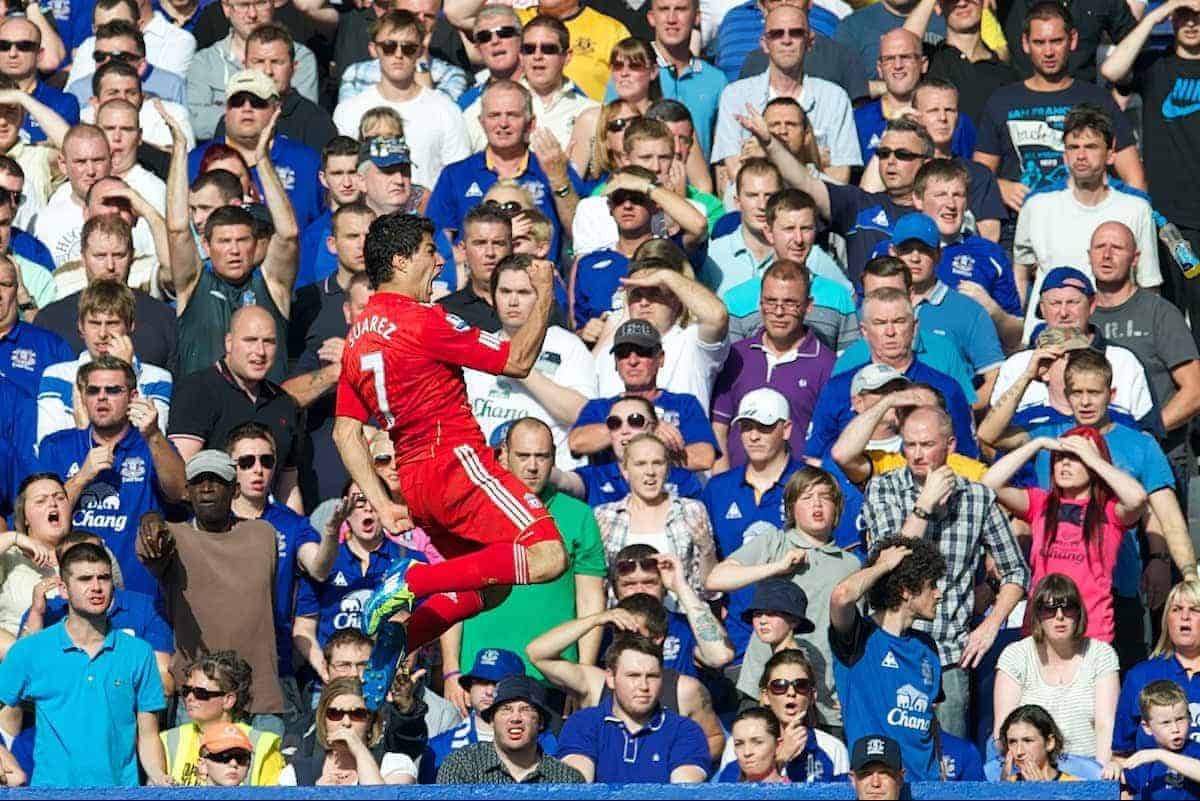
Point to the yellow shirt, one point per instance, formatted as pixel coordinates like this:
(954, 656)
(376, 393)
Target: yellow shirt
(593, 36)
(964, 466)
(182, 746)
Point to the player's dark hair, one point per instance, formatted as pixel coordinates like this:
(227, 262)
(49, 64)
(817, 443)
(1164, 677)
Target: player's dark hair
(925, 565)
(393, 235)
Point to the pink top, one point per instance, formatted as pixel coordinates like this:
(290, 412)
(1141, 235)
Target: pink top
(1092, 572)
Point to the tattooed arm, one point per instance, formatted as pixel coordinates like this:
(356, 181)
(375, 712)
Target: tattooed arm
(713, 646)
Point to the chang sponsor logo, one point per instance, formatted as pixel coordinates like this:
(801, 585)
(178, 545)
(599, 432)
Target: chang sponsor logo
(911, 711)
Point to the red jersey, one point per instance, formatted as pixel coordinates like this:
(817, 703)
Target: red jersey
(403, 367)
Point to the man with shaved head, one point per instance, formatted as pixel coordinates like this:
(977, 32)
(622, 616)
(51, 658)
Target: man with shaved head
(926, 500)
(85, 159)
(208, 404)
(901, 64)
(1155, 330)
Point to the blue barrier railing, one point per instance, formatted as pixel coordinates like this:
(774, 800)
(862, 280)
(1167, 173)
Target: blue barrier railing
(953, 791)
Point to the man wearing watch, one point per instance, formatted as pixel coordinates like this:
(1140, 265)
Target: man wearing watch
(926, 500)
(516, 151)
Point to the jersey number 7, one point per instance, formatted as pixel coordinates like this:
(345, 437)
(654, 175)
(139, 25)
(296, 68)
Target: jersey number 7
(373, 363)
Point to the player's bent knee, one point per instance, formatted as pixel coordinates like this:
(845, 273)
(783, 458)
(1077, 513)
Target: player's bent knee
(547, 561)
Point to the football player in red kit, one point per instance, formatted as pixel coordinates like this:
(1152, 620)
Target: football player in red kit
(402, 366)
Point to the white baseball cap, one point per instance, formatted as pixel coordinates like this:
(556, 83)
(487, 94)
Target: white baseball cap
(764, 406)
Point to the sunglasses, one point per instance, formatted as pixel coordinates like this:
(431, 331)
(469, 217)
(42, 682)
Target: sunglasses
(1049, 610)
(775, 34)
(238, 755)
(619, 124)
(625, 351)
(636, 420)
(102, 56)
(545, 48)
(503, 32)
(885, 153)
(201, 693)
(509, 207)
(242, 98)
(407, 49)
(621, 64)
(358, 715)
(112, 391)
(623, 196)
(780, 686)
(11, 197)
(246, 462)
(23, 46)
(627, 566)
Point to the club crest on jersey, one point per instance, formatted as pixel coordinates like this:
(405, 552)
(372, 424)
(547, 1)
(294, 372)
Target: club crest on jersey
(456, 322)
(532, 501)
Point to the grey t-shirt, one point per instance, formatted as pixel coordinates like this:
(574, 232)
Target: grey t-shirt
(1158, 335)
(827, 565)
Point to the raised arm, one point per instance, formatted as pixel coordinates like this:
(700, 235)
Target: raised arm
(678, 208)
(527, 342)
(1131, 495)
(184, 259)
(794, 172)
(55, 126)
(283, 253)
(850, 449)
(999, 474)
(352, 447)
(845, 598)
(731, 575)
(714, 649)
(995, 430)
(462, 13)
(706, 309)
(1121, 57)
(53, 52)
(545, 652)
(919, 17)
(317, 558)
(568, 481)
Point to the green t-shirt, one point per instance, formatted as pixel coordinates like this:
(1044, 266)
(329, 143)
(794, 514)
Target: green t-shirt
(532, 610)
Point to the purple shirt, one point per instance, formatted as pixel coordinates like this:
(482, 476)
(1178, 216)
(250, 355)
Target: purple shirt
(798, 376)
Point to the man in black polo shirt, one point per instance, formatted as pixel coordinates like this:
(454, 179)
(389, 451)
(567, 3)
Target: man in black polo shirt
(106, 251)
(1096, 21)
(322, 314)
(208, 404)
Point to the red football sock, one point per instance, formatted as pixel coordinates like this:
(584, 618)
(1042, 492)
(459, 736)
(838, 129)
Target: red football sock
(502, 563)
(438, 613)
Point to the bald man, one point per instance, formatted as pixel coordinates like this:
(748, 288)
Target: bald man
(900, 65)
(1156, 332)
(85, 159)
(208, 404)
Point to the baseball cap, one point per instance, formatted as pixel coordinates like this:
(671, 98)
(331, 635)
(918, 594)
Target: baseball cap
(252, 82)
(781, 596)
(918, 226)
(218, 737)
(639, 333)
(873, 377)
(875, 749)
(493, 664)
(517, 688)
(214, 462)
(384, 152)
(1063, 338)
(1061, 277)
(764, 406)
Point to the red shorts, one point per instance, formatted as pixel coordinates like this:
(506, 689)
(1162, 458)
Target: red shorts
(465, 500)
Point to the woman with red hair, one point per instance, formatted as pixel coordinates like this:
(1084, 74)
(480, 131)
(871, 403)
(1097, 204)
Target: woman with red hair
(1079, 522)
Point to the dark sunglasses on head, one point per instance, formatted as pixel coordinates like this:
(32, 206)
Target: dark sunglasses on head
(780, 686)
(22, 45)
(102, 56)
(636, 420)
(1048, 610)
(242, 98)
(509, 207)
(201, 693)
(407, 49)
(112, 390)
(503, 32)
(619, 124)
(885, 153)
(775, 34)
(546, 48)
(238, 755)
(359, 715)
(11, 197)
(246, 462)
(627, 566)
(625, 351)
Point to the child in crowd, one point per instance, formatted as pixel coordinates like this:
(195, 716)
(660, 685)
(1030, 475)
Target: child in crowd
(225, 753)
(1172, 768)
(1030, 745)
(776, 614)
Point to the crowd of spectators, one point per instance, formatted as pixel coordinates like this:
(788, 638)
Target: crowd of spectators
(864, 413)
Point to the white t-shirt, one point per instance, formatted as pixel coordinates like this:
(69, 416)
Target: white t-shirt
(168, 47)
(391, 763)
(1055, 230)
(433, 128)
(149, 186)
(60, 225)
(496, 399)
(690, 368)
(1129, 380)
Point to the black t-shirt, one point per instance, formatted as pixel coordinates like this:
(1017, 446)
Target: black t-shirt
(1093, 19)
(1170, 90)
(1024, 128)
(207, 405)
(865, 219)
(976, 81)
(154, 331)
(630, 13)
